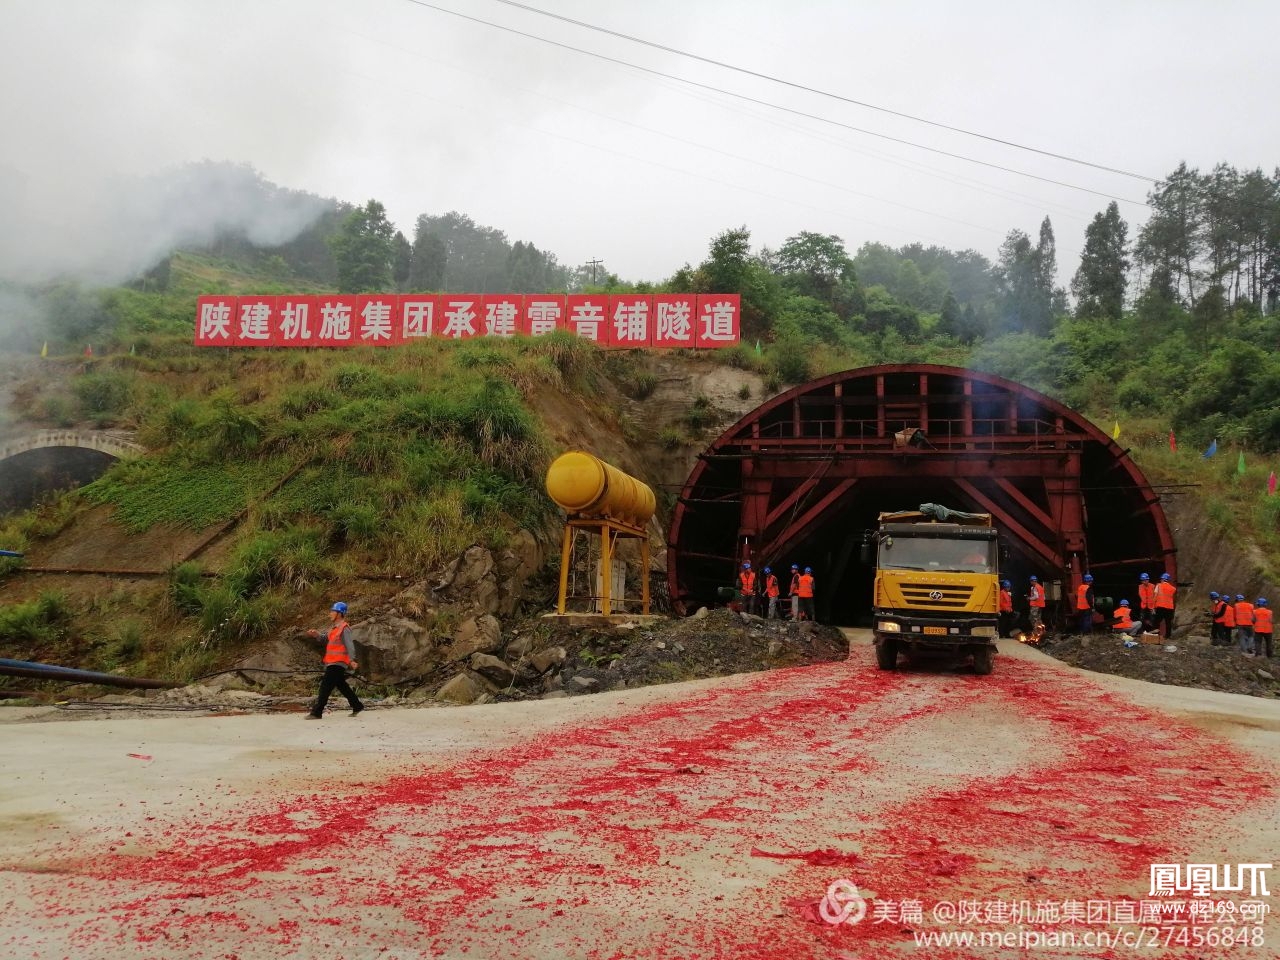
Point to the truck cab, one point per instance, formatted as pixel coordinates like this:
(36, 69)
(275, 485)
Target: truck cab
(937, 586)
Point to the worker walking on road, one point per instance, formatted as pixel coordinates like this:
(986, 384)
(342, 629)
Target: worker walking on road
(1244, 624)
(771, 591)
(806, 587)
(747, 588)
(1146, 599)
(794, 591)
(1006, 609)
(1262, 623)
(1165, 593)
(1035, 600)
(1084, 604)
(339, 656)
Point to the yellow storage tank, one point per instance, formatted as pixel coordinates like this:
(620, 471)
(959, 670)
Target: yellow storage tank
(587, 487)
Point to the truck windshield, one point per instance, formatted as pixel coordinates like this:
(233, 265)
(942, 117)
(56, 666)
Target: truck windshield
(956, 556)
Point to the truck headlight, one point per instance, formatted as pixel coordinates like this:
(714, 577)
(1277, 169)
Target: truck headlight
(984, 631)
(887, 626)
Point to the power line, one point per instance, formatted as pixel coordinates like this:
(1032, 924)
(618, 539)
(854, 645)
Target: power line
(824, 93)
(774, 106)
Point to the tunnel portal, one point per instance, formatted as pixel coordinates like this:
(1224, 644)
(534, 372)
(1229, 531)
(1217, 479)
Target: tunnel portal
(799, 479)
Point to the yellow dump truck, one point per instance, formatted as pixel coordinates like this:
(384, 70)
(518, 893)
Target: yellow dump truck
(937, 586)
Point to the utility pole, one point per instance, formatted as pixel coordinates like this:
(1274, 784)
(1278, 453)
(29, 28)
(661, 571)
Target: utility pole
(594, 264)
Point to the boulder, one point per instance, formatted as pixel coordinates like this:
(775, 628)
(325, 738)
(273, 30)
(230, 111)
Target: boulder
(465, 688)
(494, 670)
(520, 646)
(544, 660)
(584, 683)
(481, 634)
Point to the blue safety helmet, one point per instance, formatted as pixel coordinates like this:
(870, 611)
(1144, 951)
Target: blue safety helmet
(1164, 576)
(1124, 603)
(747, 565)
(1088, 578)
(339, 607)
(1262, 601)
(1213, 595)
(795, 566)
(1144, 576)
(768, 570)
(1239, 597)
(1035, 579)
(1006, 584)
(808, 569)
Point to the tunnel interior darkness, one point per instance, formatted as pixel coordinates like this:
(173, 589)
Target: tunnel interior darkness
(801, 478)
(27, 477)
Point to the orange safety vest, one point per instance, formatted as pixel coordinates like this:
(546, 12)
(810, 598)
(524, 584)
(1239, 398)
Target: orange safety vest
(1082, 596)
(1220, 611)
(771, 585)
(336, 651)
(1125, 621)
(806, 585)
(1164, 595)
(795, 585)
(1244, 614)
(1037, 595)
(1006, 601)
(1147, 595)
(1262, 619)
(748, 580)
(1229, 616)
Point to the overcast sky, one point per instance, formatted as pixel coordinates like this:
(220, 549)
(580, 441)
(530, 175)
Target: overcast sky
(428, 112)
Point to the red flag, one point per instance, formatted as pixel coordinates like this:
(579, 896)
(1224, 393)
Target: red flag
(1271, 484)
(1173, 444)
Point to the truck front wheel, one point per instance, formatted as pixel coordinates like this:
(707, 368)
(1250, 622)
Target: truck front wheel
(887, 653)
(984, 660)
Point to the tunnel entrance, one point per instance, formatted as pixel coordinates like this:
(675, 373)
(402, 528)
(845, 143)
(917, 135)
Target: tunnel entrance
(801, 478)
(28, 476)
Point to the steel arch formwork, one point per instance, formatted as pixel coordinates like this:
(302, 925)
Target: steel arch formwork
(799, 479)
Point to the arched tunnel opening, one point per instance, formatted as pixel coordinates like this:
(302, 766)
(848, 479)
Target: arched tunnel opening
(801, 478)
(27, 477)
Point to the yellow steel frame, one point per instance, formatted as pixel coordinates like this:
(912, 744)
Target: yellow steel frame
(609, 532)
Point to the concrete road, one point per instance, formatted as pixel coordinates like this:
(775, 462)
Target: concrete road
(707, 819)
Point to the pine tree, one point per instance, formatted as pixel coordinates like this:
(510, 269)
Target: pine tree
(1101, 280)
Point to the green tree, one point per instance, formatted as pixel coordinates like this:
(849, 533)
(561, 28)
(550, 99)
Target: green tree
(1025, 305)
(430, 260)
(363, 248)
(1101, 280)
(402, 261)
(818, 261)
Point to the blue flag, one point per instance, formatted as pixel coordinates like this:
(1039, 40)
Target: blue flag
(1213, 448)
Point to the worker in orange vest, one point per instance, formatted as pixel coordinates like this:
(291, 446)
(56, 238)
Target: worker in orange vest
(1124, 622)
(805, 589)
(1218, 633)
(339, 656)
(1084, 604)
(1244, 625)
(747, 588)
(1228, 620)
(794, 591)
(1146, 599)
(1262, 623)
(771, 591)
(1165, 592)
(1035, 598)
(1006, 609)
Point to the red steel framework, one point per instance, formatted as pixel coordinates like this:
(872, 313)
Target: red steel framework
(803, 475)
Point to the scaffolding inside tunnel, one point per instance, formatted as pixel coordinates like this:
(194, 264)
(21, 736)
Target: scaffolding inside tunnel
(799, 480)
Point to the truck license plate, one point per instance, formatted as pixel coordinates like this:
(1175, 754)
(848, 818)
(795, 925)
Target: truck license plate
(936, 631)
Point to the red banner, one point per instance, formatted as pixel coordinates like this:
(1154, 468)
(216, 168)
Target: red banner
(620, 321)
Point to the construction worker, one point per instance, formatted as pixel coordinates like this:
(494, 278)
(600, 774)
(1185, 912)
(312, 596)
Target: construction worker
(805, 588)
(771, 591)
(1165, 592)
(1006, 609)
(1228, 620)
(1262, 623)
(1218, 613)
(1244, 625)
(1035, 600)
(339, 656)
(747, 588)
(1124, 622)
(1146, 599)
(794, 591)
(1084, 604)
